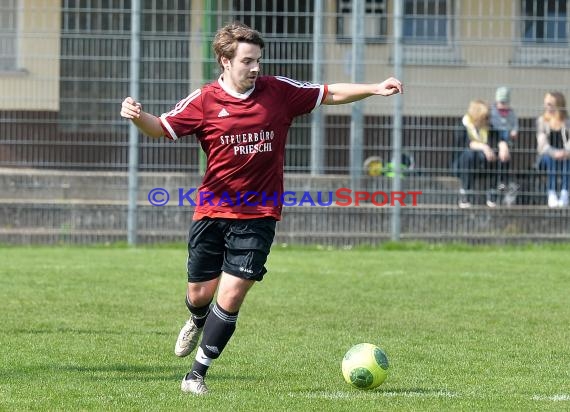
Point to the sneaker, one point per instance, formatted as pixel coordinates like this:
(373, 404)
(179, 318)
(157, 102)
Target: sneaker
(491, 200)
(463, 200)
(563, 201)
(464, 204)
(552, 199)
(187, 339)
(194, 383)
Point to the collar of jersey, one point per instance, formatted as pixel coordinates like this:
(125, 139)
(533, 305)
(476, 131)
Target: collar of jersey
(233, 93)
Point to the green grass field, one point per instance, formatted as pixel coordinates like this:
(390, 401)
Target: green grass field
(93, 328)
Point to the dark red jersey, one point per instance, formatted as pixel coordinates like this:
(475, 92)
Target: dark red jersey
(243, 136)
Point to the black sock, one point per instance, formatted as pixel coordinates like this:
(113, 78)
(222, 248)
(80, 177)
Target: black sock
(201, 364)
(218, 330)
(199, 315)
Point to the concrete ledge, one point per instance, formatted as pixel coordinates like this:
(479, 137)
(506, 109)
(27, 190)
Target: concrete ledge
(334, 225)
(43, 185)
(47, 206)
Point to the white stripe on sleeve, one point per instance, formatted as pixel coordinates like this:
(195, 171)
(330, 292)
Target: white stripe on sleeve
(167, 126)
(180, 106)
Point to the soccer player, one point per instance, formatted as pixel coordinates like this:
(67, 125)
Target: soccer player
(241, 121)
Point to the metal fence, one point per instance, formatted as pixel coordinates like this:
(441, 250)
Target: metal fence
(64, 150)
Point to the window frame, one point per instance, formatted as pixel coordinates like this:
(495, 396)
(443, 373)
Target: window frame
(91, 65)
(544, 21)
(540, 53)
(437, 54)
(8, 65)
(342, 17)
(426, 17)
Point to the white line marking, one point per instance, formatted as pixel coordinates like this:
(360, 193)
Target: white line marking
(555, 398)
(374, 394)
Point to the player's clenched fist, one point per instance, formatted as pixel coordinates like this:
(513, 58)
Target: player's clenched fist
(390, 86)
(131, 109)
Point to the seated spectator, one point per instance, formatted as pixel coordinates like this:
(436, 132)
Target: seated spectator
(505, 122)
(483, 151)
(553, 145)
(503, 118)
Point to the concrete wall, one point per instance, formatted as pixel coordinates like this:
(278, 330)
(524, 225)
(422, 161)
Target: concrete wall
(91, 207)
(486, 51)
(34, 85)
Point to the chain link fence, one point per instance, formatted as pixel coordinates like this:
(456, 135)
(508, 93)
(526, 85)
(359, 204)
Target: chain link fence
(64, 150)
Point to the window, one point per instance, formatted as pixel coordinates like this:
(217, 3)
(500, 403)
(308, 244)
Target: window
(427, 21)
(8, 35)
(95, 62)
(375, 19)
(544, 31)
(545, 21)
(428, 32)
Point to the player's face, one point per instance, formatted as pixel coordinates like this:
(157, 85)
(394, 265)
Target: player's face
(244, 67)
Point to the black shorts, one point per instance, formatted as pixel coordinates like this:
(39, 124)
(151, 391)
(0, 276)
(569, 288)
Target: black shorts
(236, 246)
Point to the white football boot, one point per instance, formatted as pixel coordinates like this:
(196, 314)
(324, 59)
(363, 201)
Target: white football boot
(194, 383)
(187, 338)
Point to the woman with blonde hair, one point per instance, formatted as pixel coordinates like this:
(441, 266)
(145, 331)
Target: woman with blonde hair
(479, 153)
(553, 145)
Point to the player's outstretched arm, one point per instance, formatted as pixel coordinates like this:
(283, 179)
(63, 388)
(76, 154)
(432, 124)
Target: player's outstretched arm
(341, 93)
(146, 122)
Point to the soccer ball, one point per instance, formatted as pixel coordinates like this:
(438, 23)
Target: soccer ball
(365, 366)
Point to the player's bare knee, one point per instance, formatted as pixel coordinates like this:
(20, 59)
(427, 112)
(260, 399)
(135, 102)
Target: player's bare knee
(231, 300)
(200, 294)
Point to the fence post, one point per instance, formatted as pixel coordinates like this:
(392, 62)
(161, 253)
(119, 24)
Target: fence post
(397, 123)
(133, 131)
(356, 122)
(317, 143)
(209, 65)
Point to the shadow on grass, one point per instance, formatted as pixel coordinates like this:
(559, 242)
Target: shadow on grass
(89, 331)
(111, 372)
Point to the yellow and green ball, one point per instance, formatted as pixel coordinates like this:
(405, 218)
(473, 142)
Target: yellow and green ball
(365, 366)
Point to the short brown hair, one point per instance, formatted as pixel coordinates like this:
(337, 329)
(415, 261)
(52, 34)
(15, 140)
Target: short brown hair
(227, 39)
